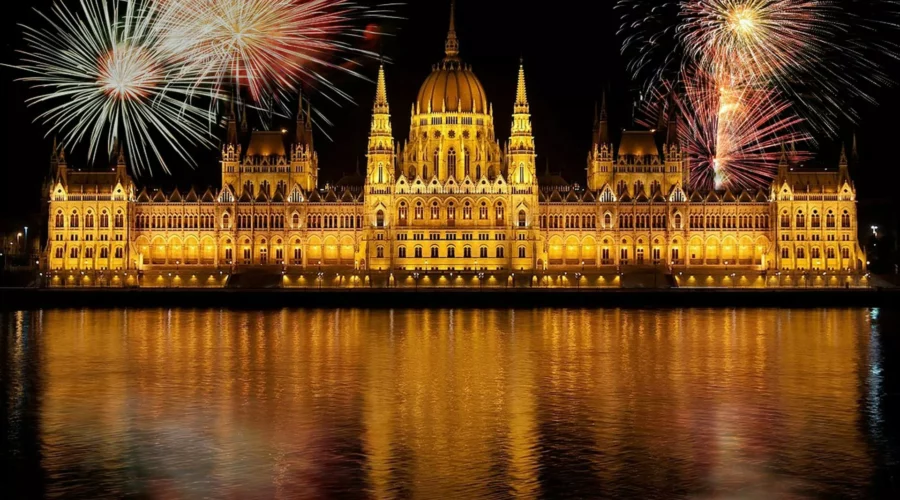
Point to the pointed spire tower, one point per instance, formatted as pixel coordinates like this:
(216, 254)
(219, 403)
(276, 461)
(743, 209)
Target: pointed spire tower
(600, 157)
(231, 149)
(380, 157)
(451, 46)
(521, 156)
(304, 159)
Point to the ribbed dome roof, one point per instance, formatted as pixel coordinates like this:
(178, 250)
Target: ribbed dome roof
(456, 85)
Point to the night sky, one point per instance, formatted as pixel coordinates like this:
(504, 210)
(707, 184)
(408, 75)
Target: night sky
(571, 55)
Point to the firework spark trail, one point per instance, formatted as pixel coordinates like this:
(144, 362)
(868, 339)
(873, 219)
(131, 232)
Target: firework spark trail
(822, 54)
(265, 46)
(106, 80)
(733, 136)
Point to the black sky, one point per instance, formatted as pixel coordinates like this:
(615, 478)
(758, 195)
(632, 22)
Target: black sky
(571, 55)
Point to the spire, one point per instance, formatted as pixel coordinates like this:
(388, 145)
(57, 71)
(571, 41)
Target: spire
(521, 105)
(842, 163)
(120, 161)
(451, 47)
(54, 156)
(381, 99)
(854, 154)
(244, 126)
(232, 137)
(601, 125)
(672, 127)
(783, 161)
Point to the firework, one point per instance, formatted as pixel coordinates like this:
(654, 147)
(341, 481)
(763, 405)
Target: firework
(821, 54)
(733, 136)
(264, 46)
(102, 75)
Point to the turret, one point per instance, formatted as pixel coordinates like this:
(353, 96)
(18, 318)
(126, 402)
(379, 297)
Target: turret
(304, 159)
(600, 157)
(379, 169)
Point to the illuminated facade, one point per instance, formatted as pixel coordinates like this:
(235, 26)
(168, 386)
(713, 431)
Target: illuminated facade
(451, 206)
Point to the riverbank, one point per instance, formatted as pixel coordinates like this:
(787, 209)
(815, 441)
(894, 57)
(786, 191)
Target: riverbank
(31, 298)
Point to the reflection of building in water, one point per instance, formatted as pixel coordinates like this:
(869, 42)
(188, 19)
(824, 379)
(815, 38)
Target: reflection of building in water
(447, 403)
(452, 206)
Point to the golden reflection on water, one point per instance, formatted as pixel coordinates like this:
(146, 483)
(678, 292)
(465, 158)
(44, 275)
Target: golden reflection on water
(454, 404)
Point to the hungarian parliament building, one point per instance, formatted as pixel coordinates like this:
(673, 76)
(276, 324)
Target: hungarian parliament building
(451, 206)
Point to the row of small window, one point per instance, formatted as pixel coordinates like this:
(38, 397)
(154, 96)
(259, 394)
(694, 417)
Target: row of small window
(201, 221)
(815, 253)
(452, 236)
(90, 237)
(815, 219)
(725, 221)
(75, 219)
(418, 252)
(814, 237)
(74, 253)
(435, 211)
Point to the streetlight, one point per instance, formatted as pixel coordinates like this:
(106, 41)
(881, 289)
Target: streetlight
(875, 231)
(18, 240)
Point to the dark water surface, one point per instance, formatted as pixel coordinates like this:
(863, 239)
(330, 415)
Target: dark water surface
(743, 403)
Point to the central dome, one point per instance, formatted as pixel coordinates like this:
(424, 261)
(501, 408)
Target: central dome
(454, 85)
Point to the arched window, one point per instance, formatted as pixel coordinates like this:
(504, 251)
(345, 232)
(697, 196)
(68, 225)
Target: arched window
(451, 212)
(60, 219)
(815, 253)
(829, 252)
(89, 219)
(295, 221)
(785, 219)
(621, 188)
(264, 187)
(104, 219)
(120, 252)
(845, 219)
(104, 253)
(420, 211)
(401, 252)
(829, 219)
(451, 163)
(785, 253)
(451, 252)
(607, 220)
(73, 219)
(521, 252)
(226, 221)
(845, 253)
(478, 172)
(467, 252)
(483, 212)
(380, 173)
(801, 219)
(501, 214)
(815, 220)
(677, 221)
(417, 252)
(403, 212)
(435, 252)
(499, 252)
(483, 252)
(435, 210)
(638, 186)
(522, 217)
(379, 218)
(654, 187)
(379, 252)
(467, 211)
(425, 172)
(801, 253)
(521, 173)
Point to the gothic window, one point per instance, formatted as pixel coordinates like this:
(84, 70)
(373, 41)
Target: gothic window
(380, 173)
(451, 163)
(483, 252)
(466, 160)
(607, 220)
(435, 252)
(522, 217)
(654, 187)
(59, 252)
(73, 253)
(467, 252)
(622, 188)
(478, 171)
(104, 219)
(295, 221)
(120, 252)
(89, 219)
(403, 212)
(500, 214)
(104, 253)
(451, 253)
(88, 253)
(435, 211)
(379, 218)
(483, 213)
(420, 211)
(425, 172)
(499, 252)
(467, 211)
(521, 252)
(815, 220)
(801, 219)
(60, 219)
(845, 253)
(785, 219)
(379, 252)
(521, 173)
(845, 219)
(418, 252)
(401, 252)
(785, 253)
(451, 212)
(638, 186)
(829, 219)
(226, 221)
(73, 220)
(801, 253)
(829, 252)
(677, 221)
